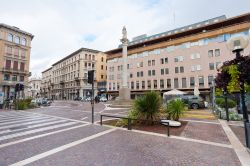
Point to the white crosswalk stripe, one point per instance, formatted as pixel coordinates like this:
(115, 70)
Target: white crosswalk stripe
(25, 125)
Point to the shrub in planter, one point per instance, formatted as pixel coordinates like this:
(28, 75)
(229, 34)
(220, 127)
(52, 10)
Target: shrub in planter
(221, 103)
(174, 109)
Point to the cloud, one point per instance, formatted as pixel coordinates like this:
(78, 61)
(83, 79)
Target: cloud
(61, 27)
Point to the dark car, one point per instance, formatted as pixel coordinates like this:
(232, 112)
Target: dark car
(77, 98)
(194, 102)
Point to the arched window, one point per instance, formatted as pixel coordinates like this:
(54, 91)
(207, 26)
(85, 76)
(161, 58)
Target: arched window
(10, 37)
(17, 40)
(24, 41)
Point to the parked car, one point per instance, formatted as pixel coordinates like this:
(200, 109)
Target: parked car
(77, 98)
(88, 99)
(103, 99)
(192, 101)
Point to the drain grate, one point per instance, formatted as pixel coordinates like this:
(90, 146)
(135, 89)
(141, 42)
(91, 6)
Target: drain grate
(19, 127)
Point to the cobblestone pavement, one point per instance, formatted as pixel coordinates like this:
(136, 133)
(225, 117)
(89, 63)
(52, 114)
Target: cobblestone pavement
(62, 135)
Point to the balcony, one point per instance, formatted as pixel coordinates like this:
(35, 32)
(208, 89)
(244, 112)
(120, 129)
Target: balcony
(77, 79)
(15, 71)
(62, 82)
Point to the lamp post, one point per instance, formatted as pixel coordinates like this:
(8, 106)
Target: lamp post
(236, 45)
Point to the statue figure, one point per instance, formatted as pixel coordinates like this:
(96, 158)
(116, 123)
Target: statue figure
(124, 33)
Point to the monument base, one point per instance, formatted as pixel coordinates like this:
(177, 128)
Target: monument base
(124, 100)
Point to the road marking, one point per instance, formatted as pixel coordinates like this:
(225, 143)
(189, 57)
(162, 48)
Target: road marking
(239, 149)
(84, 118)
(61, 148)
(57, 117)
(14, 118)
(27, 123)
(34, 126)
(35, 131)
(42, 135)
(21, 120)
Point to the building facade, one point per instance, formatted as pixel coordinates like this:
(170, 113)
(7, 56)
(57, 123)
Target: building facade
(178, 59)
(15, 47)
(34, 89)
(101, 73)
(46, 84)
(67, 78)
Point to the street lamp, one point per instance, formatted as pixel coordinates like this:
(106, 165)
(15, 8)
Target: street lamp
(236, 45)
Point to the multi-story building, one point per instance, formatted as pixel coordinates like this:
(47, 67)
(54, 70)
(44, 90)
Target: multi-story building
(69, 75)
(34, 87)
(178, 59)
(46, 84)
(15, 46)
(101, 72)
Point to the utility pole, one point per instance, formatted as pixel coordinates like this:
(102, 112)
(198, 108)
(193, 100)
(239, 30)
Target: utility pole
(91, 81)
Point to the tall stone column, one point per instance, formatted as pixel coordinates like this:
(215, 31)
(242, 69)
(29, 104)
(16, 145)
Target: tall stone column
(124, 92)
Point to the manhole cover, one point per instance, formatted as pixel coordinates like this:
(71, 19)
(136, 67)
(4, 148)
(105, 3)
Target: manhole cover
(19, 127)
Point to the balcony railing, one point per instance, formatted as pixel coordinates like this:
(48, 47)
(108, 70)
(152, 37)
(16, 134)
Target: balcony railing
(11, 70)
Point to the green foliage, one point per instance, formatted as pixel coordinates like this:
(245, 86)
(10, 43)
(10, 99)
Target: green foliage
(233, 85)
(133, 114)
(148, 106)
(174, 109)
(221, 103)
(24, 104)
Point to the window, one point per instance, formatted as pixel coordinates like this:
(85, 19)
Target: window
(14, 78)
(155, 84)
(217, 52)
(89, 57)
(143, 84)
(102, 59)
(22, 65)
(141, 73)
(22, 78)
(131, 75)
(16, 52)
(162, 71)
(15, 65)
(102, 67)
(149, 84)
(161, 84)
(176, 83)
(166, 71)
(153, 72)
(198, 67)
(101, 76)
(181, 69)
(176, 69)
(10, 37)
(24, 42)
(8, 64)
(210, 53)
(6, 77)
(201, 81)
(138, 74)
(168, 83)
(162, 61)
(192, 82)
(93, 57)
(17, 40)
(137, 85)
(211, 66)
(23, 54)
(153, 62)
(166, 60)
(149, 62)
(184, 82)
(132, 85)
(86, 56)
(9, 50)
(210, 80)
(178, 59)
(149, 72)
(85, 64)
(217, 64)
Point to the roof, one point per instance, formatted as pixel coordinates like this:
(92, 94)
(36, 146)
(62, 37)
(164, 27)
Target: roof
(76, 52)
(207, 25)
(47, 70)
(16, 29)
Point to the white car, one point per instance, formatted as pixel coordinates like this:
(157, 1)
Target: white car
(103, 99)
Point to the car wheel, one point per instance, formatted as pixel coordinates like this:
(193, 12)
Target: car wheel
(195, 106)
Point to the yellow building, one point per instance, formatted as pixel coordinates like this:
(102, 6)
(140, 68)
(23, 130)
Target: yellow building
(15, 46)
(101, 72)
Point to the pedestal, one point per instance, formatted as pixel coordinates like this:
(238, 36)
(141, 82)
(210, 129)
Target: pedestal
(124, 94)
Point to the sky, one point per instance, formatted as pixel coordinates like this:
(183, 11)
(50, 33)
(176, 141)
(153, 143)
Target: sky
(61, 27)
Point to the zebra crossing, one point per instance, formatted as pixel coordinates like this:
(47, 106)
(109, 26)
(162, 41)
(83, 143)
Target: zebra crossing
(15, 125)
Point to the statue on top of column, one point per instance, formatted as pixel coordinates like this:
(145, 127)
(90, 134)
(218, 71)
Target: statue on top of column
(124, 33)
